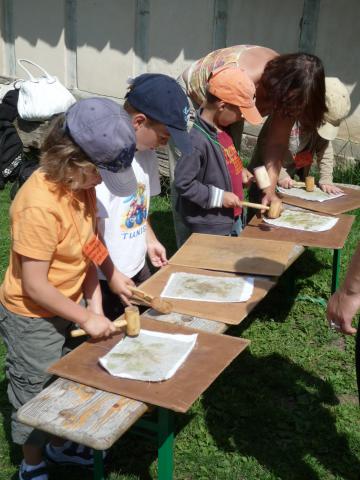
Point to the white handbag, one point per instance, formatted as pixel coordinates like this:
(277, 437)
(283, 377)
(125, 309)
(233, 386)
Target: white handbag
(41, 98)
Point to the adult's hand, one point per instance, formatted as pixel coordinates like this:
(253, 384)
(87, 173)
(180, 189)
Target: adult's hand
(341, 309)
(286, 182)
(329, 188)
(247, 177)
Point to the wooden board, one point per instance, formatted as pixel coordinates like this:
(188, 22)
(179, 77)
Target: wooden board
(333, 238)
(230, 313)
(346, 203)
(210, 356)
(81, 413)
(233, 254)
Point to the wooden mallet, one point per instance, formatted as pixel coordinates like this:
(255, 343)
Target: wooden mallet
(157, 303)
(131, 322)
(274, 211)
(309, 184)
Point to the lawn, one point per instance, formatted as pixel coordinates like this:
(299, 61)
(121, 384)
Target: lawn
(285, 409)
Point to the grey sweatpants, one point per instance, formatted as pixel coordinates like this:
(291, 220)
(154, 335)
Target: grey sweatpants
(33, 344)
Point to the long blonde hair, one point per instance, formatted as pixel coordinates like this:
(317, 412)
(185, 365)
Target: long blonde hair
(63, 161)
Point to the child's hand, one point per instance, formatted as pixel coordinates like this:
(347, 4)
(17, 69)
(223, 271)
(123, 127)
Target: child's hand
(329, 188)
(98, 326)
(119, 284)
(230, 200)
(247, 177)
(286, 182)
(157, 253)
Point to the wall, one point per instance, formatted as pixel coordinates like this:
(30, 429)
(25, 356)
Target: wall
(93, 46)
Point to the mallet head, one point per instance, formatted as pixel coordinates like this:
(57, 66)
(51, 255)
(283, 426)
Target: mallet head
(132, 317)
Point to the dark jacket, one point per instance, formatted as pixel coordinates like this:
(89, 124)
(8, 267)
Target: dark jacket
(200, 179)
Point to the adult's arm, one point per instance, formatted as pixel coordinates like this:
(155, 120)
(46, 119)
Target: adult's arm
(275, 149)
(325, 160)
(36, 285)
(345, 302)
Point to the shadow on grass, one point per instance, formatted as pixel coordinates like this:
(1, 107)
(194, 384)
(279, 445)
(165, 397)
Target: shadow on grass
(274, 411)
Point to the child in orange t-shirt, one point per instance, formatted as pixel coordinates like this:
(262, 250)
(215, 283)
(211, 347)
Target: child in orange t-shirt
(53, 219)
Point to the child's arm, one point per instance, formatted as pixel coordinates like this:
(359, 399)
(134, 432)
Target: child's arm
(36, 285)
(118, 282)
(187, 170)
(155, 250)
(92, 291)
(325, 159)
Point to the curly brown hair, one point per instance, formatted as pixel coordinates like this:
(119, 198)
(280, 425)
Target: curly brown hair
(63, 162)
(295, 85)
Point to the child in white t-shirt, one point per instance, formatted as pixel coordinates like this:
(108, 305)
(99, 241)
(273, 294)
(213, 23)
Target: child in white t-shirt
(158, 109)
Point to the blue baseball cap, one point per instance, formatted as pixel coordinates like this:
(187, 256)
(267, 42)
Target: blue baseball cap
(161, 98)
(103, 130)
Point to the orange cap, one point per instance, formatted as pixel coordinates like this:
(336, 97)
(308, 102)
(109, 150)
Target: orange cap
(232, 85)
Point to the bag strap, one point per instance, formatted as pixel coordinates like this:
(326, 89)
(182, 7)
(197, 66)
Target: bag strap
(32, 78)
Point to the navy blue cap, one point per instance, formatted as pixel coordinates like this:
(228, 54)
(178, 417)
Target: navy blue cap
(161, 98)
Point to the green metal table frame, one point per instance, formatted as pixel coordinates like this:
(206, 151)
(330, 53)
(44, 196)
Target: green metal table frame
(163, 431)
(335, 270)
(335, 278)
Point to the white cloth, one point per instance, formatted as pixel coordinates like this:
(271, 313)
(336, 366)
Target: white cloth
(307, 221)
(205, 288)
(123, 220)
(150, 357)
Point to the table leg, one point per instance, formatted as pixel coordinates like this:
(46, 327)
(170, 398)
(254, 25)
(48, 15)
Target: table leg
(98, 465)
(165, 444)
(335, 270)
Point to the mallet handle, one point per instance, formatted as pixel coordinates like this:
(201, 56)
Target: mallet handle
(298, 184)
(254, 205)
(80, 332)
(141, 295)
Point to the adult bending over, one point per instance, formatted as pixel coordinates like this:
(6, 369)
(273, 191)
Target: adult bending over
(289, 87)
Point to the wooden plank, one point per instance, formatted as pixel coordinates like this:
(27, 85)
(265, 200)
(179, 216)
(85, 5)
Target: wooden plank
(211, 355)
(191, 321)
(333, 238)
(230, 313)
(336, 206)
(233, 254)
(81, 413)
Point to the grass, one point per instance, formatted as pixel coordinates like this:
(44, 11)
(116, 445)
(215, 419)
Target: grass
(284, 409)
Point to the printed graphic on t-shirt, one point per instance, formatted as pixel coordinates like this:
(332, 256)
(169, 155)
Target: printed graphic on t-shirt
(136, 214)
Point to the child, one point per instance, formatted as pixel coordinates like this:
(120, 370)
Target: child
(158, 109)
(53, 219)
(304, 144)
(209, 181)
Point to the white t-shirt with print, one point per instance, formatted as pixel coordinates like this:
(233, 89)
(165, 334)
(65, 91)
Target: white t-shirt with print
(123, 220)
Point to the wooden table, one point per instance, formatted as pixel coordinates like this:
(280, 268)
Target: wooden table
(333, 239)
(336, 206)
(66, 408)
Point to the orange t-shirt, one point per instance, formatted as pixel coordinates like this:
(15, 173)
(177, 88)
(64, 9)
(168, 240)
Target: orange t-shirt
(51, 224)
